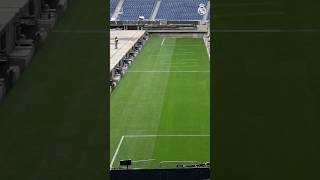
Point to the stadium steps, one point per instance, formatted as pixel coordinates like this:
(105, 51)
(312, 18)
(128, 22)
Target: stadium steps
(117, 10)
(155, 10)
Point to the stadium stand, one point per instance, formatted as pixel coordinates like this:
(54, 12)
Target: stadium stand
(180, 10)
(113, 5)
(169, 10)
(132, 9)
(165, 22)
(161, 16)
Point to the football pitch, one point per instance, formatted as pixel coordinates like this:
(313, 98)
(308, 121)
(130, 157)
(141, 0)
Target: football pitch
(160, 112)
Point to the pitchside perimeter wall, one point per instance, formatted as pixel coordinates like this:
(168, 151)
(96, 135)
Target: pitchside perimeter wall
(177, 34)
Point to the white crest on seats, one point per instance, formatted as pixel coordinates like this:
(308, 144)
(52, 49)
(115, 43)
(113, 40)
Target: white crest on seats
(202, 10)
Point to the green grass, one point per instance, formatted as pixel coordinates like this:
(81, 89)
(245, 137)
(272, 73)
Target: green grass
(53, 122)
(165, 92)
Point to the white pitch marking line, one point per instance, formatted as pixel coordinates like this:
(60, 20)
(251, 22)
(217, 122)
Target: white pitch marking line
(162, 55)
(168, 135)
(144, 160)
(179, 63)
(183, 54)
(178, 46)
(191, 59)
(151, 135)
(178, 161)
(208, 48)
(169, 71)
(117, 150)
(163, 41)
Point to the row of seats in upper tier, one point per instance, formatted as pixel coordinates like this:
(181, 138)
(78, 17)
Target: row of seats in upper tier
(168, 10)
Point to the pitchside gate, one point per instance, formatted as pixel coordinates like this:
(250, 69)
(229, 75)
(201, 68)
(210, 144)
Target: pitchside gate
(196, 173)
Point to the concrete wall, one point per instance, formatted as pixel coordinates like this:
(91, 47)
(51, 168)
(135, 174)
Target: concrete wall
(10, 33)
(52, 3)
(2, 91)
(37, 7)
(31, 4)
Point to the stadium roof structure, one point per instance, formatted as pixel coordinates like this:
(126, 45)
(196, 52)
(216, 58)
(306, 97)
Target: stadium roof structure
(127, 39)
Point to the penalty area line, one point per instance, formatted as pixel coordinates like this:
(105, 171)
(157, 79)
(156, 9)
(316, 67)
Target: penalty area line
(150, 135)
(116, 153)
(146, 160)
(167, 135)
(163, 41)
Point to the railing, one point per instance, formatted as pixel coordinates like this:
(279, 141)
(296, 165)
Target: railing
(155, 22)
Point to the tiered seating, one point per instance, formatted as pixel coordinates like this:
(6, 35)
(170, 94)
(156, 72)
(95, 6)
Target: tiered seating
(113, 5)
(180, 9)
(132, 9)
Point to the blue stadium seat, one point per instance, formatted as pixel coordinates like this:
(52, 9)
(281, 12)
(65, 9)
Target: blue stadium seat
(113, 5)
(180, 9)
(132, 9)
(169, 9)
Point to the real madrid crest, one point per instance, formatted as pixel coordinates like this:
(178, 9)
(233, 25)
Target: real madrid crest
(202, 10)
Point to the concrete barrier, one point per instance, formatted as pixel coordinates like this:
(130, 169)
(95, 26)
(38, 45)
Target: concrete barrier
(2, 91)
